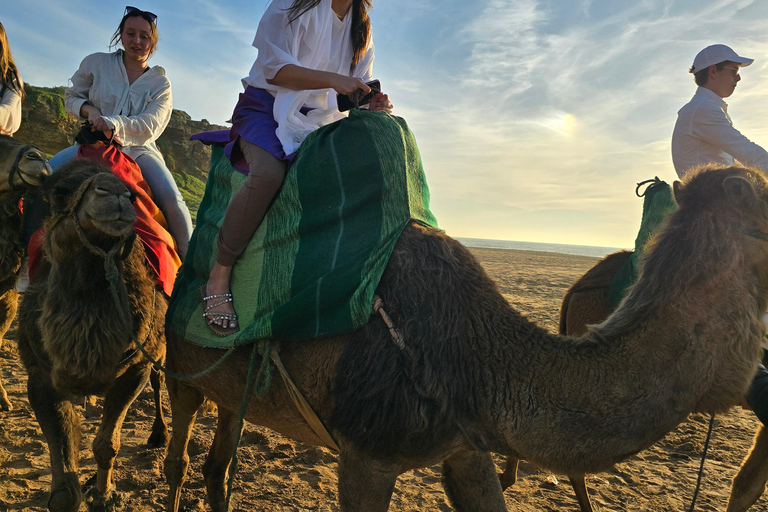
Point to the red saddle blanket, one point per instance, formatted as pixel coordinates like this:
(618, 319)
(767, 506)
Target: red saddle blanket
(150, 226)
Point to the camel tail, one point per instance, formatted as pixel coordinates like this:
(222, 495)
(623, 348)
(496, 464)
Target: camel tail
(749, 483)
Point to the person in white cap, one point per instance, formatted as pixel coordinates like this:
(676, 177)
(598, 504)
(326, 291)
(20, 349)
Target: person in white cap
(704, 132)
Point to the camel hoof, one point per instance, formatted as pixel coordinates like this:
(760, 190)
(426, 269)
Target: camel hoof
(64, 499)
(159, 439)
(5, 405)
(112, 501)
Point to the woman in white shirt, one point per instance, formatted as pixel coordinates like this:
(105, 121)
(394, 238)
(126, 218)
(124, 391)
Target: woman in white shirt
(11, 89)
(307, 49)
(126, 99)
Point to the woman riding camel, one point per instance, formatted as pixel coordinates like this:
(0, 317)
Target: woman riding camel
(120, 95)
(11, 89)
(307, 48)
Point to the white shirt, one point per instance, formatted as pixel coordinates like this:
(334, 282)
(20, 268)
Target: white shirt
(705, 134)
(10, 110)
(316, 40)
(137, 113)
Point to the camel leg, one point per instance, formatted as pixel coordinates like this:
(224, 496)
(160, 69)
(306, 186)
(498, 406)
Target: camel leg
(365, 483)
(749, 483)
(471, 482)
(159, 436)
(185, 402)
(61, 427)
(217, 463)
(579, 484)
(8, 304)
(106, 444)
(5, 404)
(509, 476)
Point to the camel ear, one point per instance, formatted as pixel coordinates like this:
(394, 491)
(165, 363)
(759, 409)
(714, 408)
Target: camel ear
(677, 186)
(740, 192)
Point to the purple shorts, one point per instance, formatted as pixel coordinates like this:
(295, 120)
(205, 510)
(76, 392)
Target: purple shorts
(253, 119)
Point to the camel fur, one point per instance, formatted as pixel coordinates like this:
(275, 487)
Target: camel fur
(32, 168)
(477, 376)
(73, 338)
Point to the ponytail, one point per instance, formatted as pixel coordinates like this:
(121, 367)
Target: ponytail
(361, 30)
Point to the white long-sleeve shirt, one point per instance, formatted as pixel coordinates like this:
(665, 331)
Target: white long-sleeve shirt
(10, 110)
(704, 133)
(137, 113)
(316, 40)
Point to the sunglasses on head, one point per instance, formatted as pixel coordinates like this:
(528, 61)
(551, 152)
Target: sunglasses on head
(135, 11)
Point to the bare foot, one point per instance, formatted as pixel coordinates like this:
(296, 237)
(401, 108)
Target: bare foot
(219, 309)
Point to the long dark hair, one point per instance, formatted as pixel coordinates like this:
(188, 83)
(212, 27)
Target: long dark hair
(361, 23)
(153, 35)
(9, 73)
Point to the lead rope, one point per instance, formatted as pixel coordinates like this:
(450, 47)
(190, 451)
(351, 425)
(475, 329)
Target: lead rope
(701, 467)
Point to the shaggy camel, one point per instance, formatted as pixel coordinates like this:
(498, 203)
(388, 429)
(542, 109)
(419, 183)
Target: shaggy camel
(586, 303)
(21, 167)
(74, 340)
(476, 376)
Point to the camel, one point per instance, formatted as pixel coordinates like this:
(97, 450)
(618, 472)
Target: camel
(476, 376)
(21, 167)
(92, 297)
(586, 303)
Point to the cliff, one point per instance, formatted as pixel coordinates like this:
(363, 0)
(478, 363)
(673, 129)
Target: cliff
(48, 126)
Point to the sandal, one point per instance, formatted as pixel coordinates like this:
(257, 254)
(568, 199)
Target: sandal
(210, 317)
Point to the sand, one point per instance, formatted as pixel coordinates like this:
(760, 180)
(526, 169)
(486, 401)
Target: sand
(277, 474)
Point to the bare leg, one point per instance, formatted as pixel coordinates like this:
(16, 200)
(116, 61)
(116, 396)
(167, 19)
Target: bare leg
(749, 483)
(471, 482)
(217, 464)
(159, 436)
(244, 215)
(185, 402)
(365, 483)
(509, 476)
(579, 484)
(107, 442)
(61, 427)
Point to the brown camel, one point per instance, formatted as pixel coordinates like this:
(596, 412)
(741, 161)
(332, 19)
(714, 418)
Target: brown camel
(585, 303)
(21, 167)
(76, 331)
(476, 376)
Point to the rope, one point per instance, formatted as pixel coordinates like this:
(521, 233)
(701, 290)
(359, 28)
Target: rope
(378, 307)
(701, 467)
(655, 181)
(265, 376)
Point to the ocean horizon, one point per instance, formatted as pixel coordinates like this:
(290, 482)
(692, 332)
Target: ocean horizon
(577, 250)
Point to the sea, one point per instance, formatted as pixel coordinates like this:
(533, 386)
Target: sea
(578, 250)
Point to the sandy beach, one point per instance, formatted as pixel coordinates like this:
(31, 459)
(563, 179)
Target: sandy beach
(276, 474)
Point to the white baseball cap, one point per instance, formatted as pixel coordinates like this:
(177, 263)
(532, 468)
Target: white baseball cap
(716, 54)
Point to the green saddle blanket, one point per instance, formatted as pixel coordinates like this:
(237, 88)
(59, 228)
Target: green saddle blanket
(315, 261)
(659, 201)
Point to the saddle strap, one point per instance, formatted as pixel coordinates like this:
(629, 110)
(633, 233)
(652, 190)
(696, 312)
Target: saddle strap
(301, 403)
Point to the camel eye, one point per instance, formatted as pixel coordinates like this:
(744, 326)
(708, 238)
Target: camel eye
(102, 191)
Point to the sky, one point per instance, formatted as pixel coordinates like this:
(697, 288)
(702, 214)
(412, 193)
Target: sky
(535, 118)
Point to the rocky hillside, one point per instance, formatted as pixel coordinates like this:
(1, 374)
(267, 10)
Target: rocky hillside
(47, 125)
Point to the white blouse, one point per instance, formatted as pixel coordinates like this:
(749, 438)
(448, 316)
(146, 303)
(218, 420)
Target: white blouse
(316, 40)
(137, 113)
(10, 111)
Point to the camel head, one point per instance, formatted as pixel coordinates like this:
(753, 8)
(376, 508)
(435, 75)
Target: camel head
(734, 202)
(21, 166)
(85, 196)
